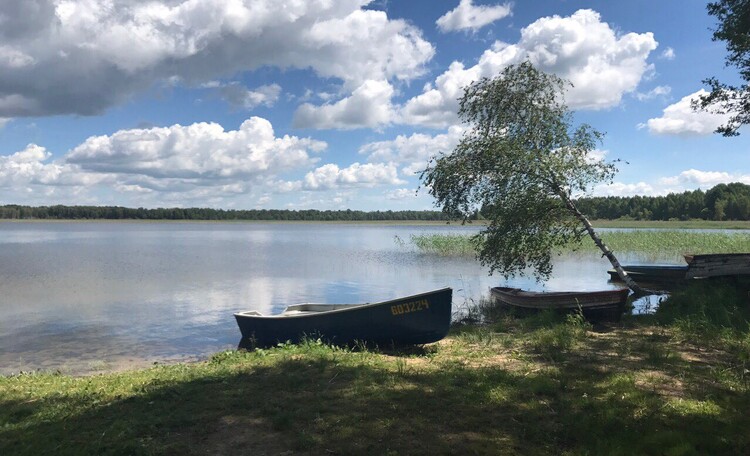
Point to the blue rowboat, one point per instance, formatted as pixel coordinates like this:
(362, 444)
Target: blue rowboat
(417, 319)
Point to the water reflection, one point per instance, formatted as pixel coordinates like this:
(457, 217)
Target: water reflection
(647, 304)
(76, 295)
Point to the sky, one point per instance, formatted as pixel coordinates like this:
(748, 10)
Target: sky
(334, 104)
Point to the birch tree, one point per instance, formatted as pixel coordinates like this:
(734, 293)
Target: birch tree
(522, 161)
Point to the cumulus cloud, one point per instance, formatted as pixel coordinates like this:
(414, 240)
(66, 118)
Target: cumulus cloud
(602, 65)
(467, 16)
(30, 172)
(202, 152)
(330, 176)
(400, 194)
(681, 120)
(238, 95)
(688, 180)
(175, 165)
(694, 178)
(622, 189)
(81, 57)
(368, 106)
(414, 151)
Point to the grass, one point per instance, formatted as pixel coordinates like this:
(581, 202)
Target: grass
(444, 244)
(544, 384)
(675, 224)
(657, 243)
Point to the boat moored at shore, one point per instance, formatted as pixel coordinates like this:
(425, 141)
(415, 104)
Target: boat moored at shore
(416, 319)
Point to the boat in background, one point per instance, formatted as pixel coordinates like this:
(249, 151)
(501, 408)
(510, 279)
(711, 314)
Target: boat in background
(717, 265)
(417, 319)
(595, 305)
(653, 273)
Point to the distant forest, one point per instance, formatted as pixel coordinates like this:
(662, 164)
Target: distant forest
(722, 202)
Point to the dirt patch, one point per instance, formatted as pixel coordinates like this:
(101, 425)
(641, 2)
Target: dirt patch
(245, 435)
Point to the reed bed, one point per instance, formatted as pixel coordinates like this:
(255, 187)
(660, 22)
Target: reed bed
(653, 242)
(675, 242)
(444, 244)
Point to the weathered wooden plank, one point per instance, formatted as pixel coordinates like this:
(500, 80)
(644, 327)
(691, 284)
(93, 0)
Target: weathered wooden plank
(718, 264)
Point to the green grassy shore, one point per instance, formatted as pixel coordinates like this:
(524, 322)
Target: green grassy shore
(674, 383)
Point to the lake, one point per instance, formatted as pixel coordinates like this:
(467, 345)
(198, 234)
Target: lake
(86, 296)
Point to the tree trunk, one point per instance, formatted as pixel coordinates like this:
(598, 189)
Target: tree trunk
(637, 289)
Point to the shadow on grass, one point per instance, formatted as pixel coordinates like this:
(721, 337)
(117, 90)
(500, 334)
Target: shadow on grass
(348, 403)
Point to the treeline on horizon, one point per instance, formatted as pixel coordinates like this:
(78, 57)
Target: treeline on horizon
(60, 212)
(722, 202)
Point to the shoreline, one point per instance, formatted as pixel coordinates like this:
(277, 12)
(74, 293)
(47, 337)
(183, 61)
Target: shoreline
(624, 224)
(529, 386)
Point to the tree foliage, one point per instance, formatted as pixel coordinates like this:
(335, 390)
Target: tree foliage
(522, 162)
(734, 29)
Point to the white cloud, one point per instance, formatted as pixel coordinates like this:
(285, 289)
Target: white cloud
(368, 106)
(466, 16)
(596, 155)
(240, 96)
(668, 54)
(688, 180)
(622, 189)
(197, 154)
(401, 194)
(601, 64)
(413, 151)
(658, 91)
(679, 119)
(29, 170)
(330, 176)
(694, 178)
(69, 56)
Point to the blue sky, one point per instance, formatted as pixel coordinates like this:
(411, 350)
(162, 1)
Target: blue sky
(332, 104)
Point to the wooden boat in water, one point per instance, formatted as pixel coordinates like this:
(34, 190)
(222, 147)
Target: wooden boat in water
(417, 319)
(652, 273)
(717, 264)
(595, 305)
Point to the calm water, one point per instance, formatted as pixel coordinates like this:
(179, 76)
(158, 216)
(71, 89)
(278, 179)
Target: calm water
(82, 297)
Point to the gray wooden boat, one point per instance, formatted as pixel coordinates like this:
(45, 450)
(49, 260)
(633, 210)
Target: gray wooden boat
(717, 265)
(595, 305)
(417, 319)
(652, 273)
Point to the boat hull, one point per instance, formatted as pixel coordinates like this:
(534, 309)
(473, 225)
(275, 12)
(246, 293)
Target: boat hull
(595, 305)
(417, 319)
(656, 274)
(718, 265)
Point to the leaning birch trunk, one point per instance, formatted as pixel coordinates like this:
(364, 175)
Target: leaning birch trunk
(637, 289)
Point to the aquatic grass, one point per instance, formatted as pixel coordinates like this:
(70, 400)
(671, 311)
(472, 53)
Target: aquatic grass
(674, 242)
(444, 244)
(654, 243)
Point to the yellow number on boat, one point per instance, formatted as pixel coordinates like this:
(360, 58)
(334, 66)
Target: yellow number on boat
(414, 306)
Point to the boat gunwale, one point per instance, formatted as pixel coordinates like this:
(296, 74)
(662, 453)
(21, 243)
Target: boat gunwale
(349, 307)
(518, 297)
